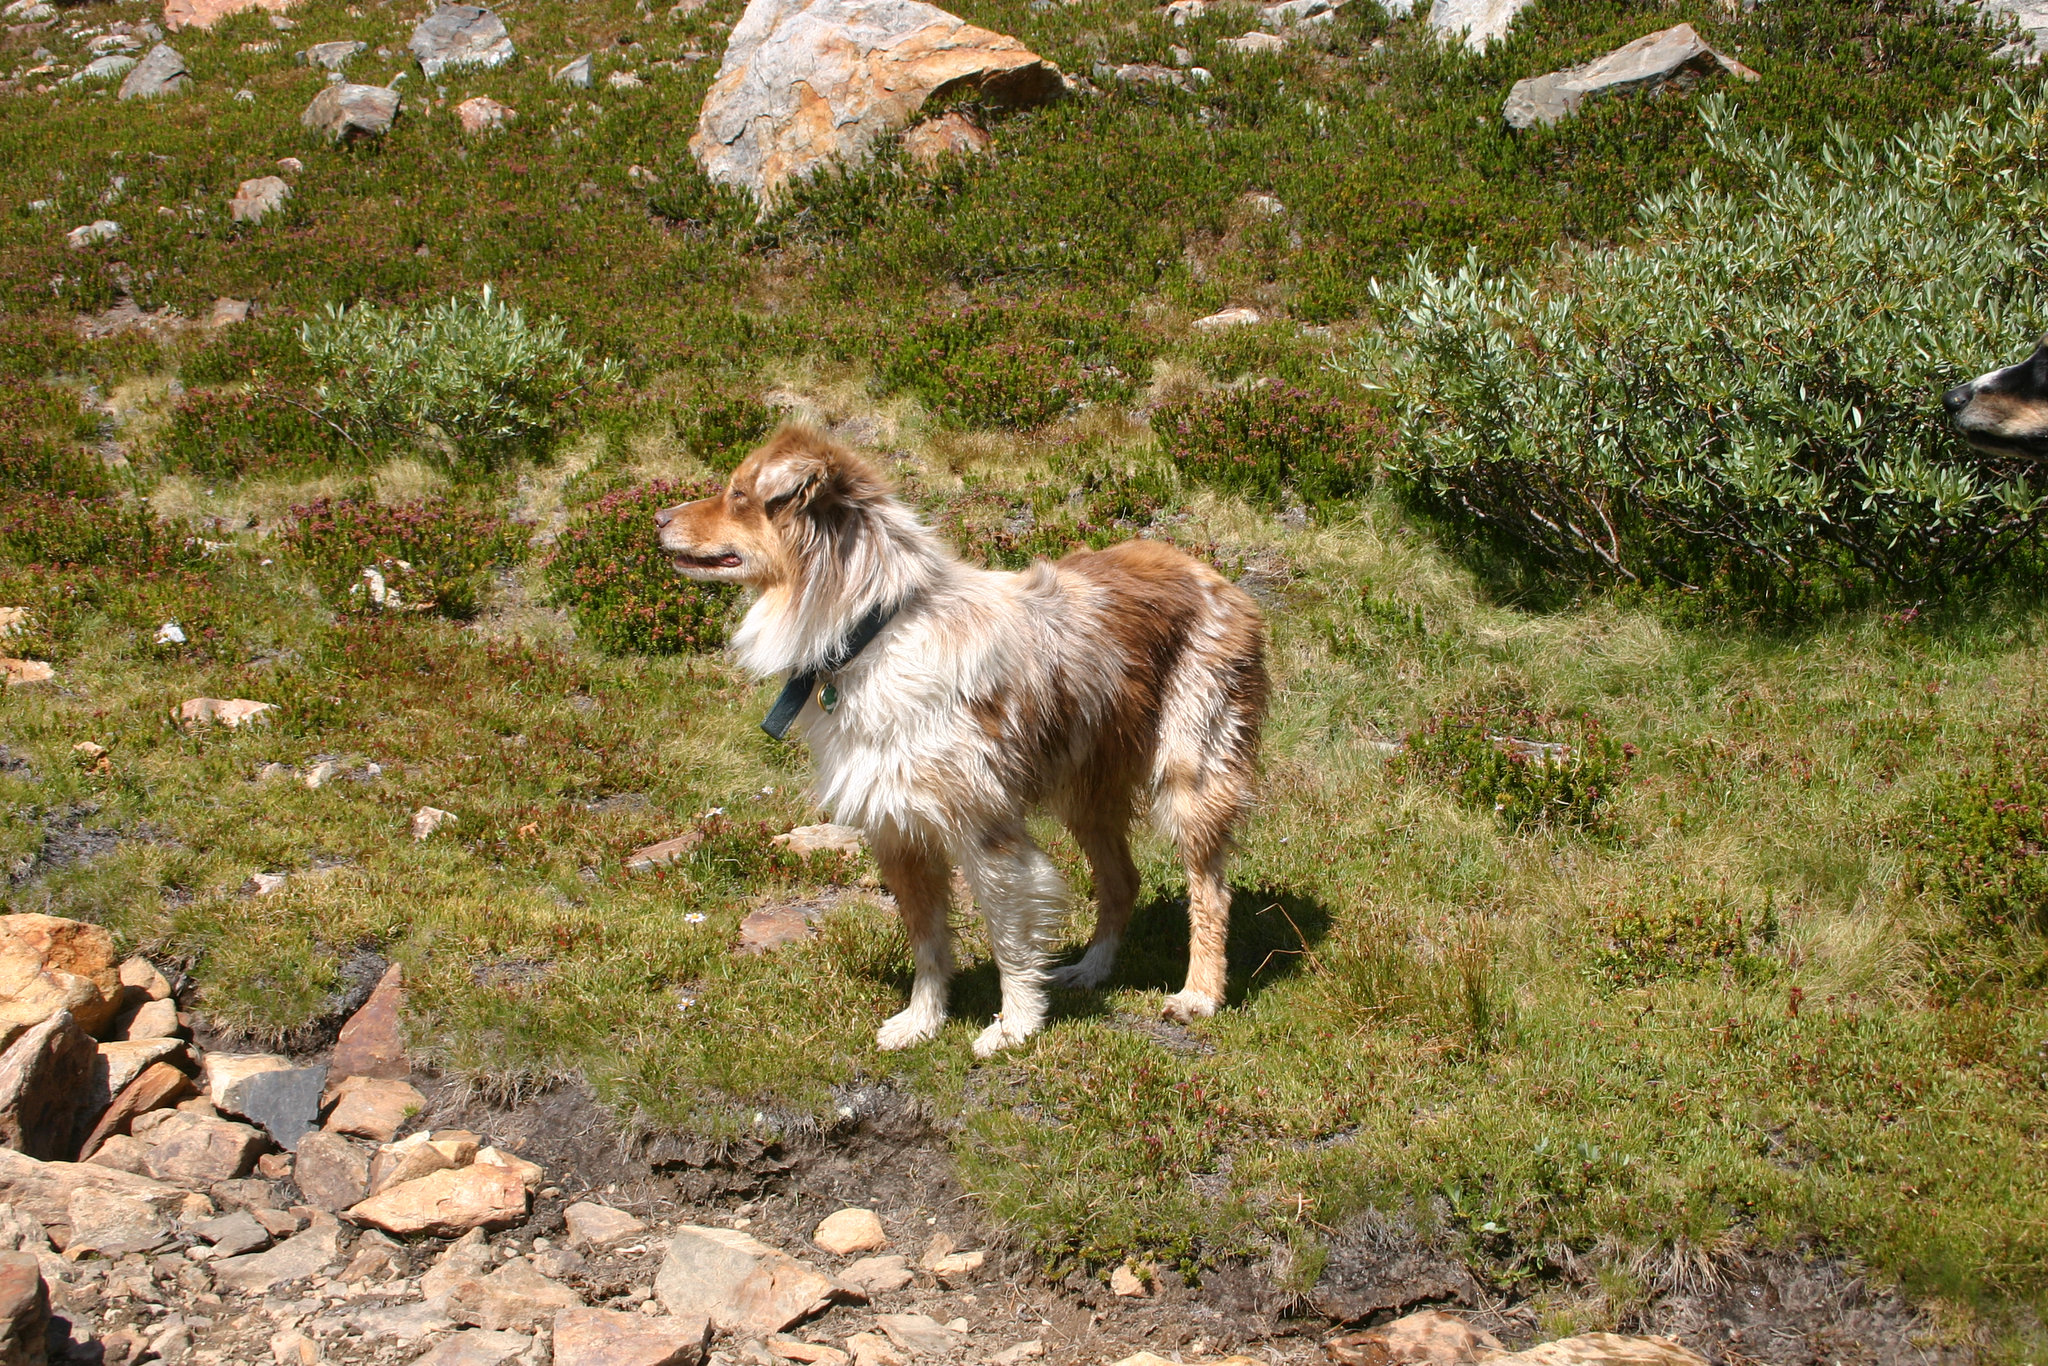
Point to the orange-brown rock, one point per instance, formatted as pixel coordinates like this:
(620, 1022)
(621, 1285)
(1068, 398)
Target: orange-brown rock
(48, 964)
(159, 1085)
(206, 13)
(951, 134)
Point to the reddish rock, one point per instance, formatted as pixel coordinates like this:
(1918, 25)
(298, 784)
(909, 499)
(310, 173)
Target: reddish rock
(197, 1150)
(850, 1231)
(331, 1171)
(44, 1189)
(46, 1089)
(206, 13)
(372, 1043)
(159, 1085)
(448, 1203)
(48, 964)
(24, 1310)
(515, 1297)
(141, 975)
(374, 1109)
(605, 1337)
(1429, 1338)
(592, 1225)
(951, 134)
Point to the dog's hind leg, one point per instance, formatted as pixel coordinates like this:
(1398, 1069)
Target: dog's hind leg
(1103, 832)
(919, 877)
(1021, 896)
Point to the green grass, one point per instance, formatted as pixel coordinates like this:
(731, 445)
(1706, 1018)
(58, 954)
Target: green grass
(1736, 1007)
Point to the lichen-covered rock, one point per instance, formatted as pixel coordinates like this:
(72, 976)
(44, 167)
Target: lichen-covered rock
(1478, 22)
(345, 112)
(807, 83)
(460, 35)
(1676, 56)
(162, 72)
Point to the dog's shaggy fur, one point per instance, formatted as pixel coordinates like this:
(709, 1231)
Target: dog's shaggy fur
(1109, 683)
(2005, 412)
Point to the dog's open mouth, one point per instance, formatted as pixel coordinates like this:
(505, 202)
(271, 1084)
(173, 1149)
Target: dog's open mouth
(725, 560)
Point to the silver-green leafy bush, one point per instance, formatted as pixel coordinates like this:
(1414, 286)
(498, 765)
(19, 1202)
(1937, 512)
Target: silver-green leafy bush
(473, 373)
(1748, 392)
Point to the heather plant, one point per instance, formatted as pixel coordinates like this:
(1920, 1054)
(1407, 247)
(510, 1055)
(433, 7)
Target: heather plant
(38, 446)
(619, 587)
(429, 555)
(475, 374)
(1015, 365)
(233, 433)
(1263, 440)
(1748, 389)
(52, 531)
(1529, 770)
(1980, 838)
(721, 428)
(1678, 933)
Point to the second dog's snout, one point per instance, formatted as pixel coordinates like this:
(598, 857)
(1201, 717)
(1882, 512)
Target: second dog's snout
(1955, 399)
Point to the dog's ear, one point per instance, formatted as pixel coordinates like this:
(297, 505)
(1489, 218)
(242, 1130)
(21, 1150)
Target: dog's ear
(792, 479)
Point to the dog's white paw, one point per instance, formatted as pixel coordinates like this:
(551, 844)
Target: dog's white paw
(1183, 1006)
(999, 1036)
(910, 1028)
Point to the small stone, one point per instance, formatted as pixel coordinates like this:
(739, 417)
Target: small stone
(158, 74)
(115, 1225)
(141, 975)
(170, 633)
(1227, 319)
(956, 1266)
(333, 56)
(460, 35)
(878, 1275)
(155, 1020)
(1127, 1283)
(330, 1171)
(447, 1203)
(821, 839)
(476, 1347)
(196, 1150)
(274, 1166)
(624, 80)
(576, 73)
(228, 312)
(872, 1349)
(920, 1334)
(604, 1337)
(1248, 44)
(531, 1174)
(774, 927)
(24, 1310)
(46, 1088)
(558, 1263)
(256, 198)
(849, 1231)
(233, 713)
(428, 819)
(1018, 1352)
(22, 672)
(592, 1225)
(345, 111)
(951, 134)
(284, 1102)
(290, 1347)
(791, 1349)
(13, 621)
(157, 1086)
(222, 1071)
(374, 1108)
(281, 1223)
(297, 1258)
(233, 1234)
(403, 1322)
(483, 114)
(665, 853)
(514, 1297)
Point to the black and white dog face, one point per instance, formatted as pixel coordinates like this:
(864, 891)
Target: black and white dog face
(2005, 412)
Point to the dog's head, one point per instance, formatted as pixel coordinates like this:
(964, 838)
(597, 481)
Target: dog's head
(2006, 411)
(782, 500)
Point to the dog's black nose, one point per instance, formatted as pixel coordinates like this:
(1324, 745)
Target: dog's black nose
(1956, 399)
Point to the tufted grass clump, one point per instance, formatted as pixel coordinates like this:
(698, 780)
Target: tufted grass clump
(1746, 392)
(620, 588)
(476, 376)
(1265, 440)
(428, 555)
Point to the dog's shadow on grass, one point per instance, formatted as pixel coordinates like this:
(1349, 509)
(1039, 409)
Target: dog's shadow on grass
(1273, 934)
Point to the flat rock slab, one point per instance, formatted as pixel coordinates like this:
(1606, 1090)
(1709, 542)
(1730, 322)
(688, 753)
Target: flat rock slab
(222, 1072)
(1478, 22)
(160, 1084)
(807, 83)
(296, 1258)
(1676, 57)
(162, 72)
(775, 927)
(44, 1189)
(1604, 1349)
(448, 1203)
(482, 114)
(605, 1337)
(285, 1103)
(920, 1334)
(1428, 1338)
(345, 112)
(741, 1284)
(460, 35)
(477, 1347)
(233, 1235)
(374, 1108)
(46, 1089)
(198, 1150)
(372, 1043)
(254, 199)
(332, 1172)
(877, 1275)
(333, 56)
(115, 1225)
(592, 1225)
(206, 13)
(668, 851)
(514, 1297)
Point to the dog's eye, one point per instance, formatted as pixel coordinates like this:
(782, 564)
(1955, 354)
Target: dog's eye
(736, 495)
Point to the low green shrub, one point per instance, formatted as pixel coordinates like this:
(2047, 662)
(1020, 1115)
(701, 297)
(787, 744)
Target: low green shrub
(1747, 391)
(721, 429)
(230, 433)
(620, 588)
(1685, 935)
(475, 374)
(39, 427)
(1015, 364)
(1262, 440)
(1528, 769)
(60, 532)
(1981, 839)
(430, 555)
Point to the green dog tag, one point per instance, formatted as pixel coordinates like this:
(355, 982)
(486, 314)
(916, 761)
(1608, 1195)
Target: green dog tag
(828, 697)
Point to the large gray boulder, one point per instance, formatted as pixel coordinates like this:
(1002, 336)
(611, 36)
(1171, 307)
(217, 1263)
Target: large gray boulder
(1476, 22)
(1676, 57)
(460, 35)
(2031, 17)
(162, 72)
(807, 83)
(345, 112)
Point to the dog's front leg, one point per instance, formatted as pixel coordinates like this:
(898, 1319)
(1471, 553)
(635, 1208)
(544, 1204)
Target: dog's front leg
(919, 877)
(1021, 896)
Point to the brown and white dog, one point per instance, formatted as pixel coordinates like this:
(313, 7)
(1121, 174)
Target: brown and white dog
(2005, 412)
(1109, 684)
